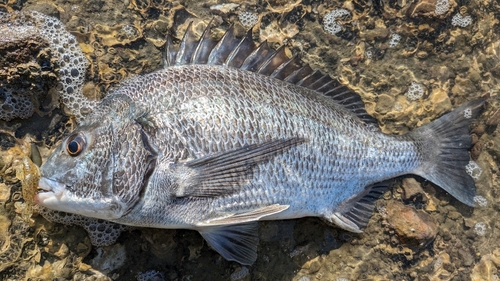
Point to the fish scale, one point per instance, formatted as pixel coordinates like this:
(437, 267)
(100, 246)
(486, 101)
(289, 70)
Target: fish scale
(223, 138)
(346, 157)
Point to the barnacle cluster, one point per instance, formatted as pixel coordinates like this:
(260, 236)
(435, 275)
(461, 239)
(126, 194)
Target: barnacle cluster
(473, 170)
(330, 23)
(101, 232)
(415, 91)
(480, 228)
(394, 41)
(248, 19)
(442, 6)
(64, 47)
(462, 21)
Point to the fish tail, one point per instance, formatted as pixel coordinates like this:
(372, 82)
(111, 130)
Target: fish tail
(443, 146)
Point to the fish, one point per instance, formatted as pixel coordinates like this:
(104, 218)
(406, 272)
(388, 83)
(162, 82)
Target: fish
(230, 133)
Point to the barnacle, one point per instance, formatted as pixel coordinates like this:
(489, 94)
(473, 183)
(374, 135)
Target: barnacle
(25, 26)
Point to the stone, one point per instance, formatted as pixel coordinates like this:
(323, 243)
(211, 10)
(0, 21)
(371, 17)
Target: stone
(487, 267)
(385, 103)
(412, 226)
(412, 190)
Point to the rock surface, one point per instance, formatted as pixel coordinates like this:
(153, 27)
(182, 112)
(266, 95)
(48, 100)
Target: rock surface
(125, 38)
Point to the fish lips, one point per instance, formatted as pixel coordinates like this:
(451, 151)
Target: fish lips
(47, 190)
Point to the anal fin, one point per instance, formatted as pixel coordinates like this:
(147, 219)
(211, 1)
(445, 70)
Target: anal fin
(245, 217)
(234, 242)
(354, 214)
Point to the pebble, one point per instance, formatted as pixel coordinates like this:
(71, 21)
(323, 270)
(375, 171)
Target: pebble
(411, 226)
(412, 189)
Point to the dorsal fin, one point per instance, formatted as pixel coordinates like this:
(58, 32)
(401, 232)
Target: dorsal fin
(244, 54)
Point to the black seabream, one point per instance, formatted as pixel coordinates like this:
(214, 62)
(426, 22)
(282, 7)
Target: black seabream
(230, 133)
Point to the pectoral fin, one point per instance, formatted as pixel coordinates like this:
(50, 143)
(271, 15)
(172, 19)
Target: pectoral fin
(234, 242)
(224, 173)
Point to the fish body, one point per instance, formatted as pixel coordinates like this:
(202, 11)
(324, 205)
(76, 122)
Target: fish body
(216, 148)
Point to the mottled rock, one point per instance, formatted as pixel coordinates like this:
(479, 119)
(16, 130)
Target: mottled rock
(466, 257)
(487, 268)
(109, 258)
(494, 119)
(412, 190)
(385, 103)
(411, 225)
(376, 34)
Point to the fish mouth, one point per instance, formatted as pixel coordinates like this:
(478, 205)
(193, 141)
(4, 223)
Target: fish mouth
(48, 189)
(45, 185)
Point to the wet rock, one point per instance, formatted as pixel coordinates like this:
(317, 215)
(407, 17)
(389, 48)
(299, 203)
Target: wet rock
(487, 267)
(313, 266)
(466, 257)
(476, 150)
(430, 8)
(412, 190)
(109, 258)
(494, 119)
(385, 103)
(479, 130)
(412, 226)
(376, 34)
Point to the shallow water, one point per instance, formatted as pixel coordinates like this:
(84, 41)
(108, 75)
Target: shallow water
(451, 64)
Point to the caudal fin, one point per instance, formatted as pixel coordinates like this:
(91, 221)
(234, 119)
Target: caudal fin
(444, 146)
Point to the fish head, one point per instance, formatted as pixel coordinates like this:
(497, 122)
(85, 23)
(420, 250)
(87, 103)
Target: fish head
(98, 171)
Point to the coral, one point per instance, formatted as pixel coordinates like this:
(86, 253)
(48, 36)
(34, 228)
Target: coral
(480, 228)
(480, 201)
(415, 91)
(459, 20)
(442, 6)
(330, 20)
(394, 41)
(64, 47)
(101, 232)
(473, 170)
(248, 19)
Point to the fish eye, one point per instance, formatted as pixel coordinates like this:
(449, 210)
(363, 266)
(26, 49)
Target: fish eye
(75, 145)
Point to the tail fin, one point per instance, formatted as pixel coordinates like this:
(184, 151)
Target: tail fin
(443, 145)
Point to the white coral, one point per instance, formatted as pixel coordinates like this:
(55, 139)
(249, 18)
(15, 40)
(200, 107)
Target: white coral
(248, 19)
(442, 6)
(480, 228)
(473, 170)
(415, 91)
(330, 20)
(394, 41)
(459, 20)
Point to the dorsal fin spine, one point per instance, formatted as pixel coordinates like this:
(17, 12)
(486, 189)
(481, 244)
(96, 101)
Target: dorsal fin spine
(199, 56)
(244, 54)
(254, 60)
